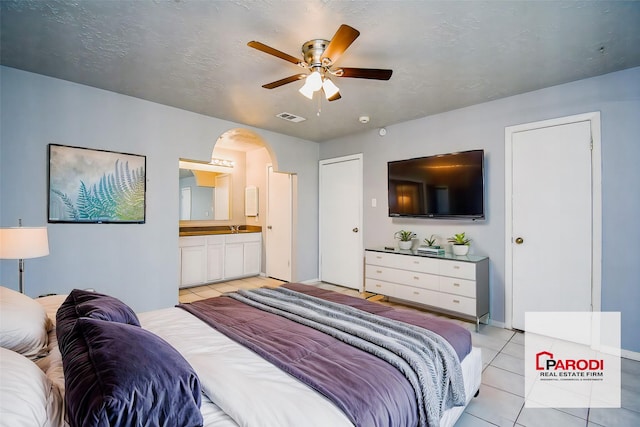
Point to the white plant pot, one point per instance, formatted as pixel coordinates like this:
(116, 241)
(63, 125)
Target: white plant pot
(460, 249)
(405, 245)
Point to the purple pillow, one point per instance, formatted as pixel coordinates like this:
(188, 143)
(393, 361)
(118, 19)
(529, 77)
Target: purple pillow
(118, 374)
(100, 306)
(81, 303)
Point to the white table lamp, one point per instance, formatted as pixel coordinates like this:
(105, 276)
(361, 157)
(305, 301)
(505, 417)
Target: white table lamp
(21, 243)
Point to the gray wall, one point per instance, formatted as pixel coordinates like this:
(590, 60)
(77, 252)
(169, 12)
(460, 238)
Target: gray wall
(616, 96)
(136, 263)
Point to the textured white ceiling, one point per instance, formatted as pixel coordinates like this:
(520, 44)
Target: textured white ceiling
(194, 55)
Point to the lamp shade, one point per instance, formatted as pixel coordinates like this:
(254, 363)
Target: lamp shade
(23, 242)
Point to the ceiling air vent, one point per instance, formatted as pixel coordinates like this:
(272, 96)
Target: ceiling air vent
(291, 117)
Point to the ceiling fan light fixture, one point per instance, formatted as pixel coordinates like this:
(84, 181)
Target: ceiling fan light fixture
(329, 88)
(306, 91)
(314, 80)
(312, 83)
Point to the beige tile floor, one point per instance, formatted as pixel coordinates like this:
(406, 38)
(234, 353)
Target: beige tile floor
(501, 400)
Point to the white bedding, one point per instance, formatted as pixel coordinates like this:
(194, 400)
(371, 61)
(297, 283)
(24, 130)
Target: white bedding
(241, 388)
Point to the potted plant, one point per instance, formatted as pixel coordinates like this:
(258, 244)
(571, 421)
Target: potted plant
(405, 238)
(460, 244)
(431, 242)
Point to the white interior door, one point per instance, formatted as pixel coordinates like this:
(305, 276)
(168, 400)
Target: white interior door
(341, 246)
(279, 225)
(551, 219)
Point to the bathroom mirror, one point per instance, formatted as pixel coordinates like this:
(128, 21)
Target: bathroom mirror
(205, 192)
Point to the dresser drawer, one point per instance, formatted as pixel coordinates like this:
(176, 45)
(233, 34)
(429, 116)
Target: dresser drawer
(463, 270)
(404, 277)
(417, 280)
(379, 287)
(380, 273)
(420, 264)
(404, 262)
(458, 303)
(422, 296)
(381, 259)
(457, 286)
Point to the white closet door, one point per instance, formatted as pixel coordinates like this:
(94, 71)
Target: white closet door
(551, 220)
(341, 244)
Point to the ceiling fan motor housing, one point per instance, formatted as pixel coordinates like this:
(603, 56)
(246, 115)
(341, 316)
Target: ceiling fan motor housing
(312, 52)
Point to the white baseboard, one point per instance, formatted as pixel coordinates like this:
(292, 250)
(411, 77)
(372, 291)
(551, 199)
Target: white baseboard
(497, 324)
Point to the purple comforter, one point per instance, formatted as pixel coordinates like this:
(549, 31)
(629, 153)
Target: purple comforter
(367, 389)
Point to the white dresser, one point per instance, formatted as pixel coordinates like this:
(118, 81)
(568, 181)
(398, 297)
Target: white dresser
(457, 285)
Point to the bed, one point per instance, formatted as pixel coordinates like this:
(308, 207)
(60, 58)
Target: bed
(288, 356)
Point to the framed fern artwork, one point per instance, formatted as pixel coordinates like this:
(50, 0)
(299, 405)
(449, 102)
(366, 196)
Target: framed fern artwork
(96, 186)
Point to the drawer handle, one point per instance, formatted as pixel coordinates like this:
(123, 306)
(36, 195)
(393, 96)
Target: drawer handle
(456, 267)
(416, 278)
(416, 262)
(378, 286)
(378, 257)
(379, 271)
(456, 301)
(456, 284)
(416, 293)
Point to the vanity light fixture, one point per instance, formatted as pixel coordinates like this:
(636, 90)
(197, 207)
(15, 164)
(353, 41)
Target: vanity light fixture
(222, 162)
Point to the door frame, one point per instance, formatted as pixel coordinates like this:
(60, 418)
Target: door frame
(360, 197)
(596, 206)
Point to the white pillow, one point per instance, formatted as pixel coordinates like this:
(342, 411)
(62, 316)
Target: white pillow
(23, 324)
(27, 397)
(51, 303)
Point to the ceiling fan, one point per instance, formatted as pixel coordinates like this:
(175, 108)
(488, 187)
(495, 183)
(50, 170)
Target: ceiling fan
(319, 58)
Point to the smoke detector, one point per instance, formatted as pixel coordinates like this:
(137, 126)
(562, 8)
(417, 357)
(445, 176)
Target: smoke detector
(364, 119)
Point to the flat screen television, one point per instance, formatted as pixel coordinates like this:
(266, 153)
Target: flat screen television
(446, 186)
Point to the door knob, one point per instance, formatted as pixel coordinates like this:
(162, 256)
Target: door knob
(355, 230)
(519, 240)
(269, 227)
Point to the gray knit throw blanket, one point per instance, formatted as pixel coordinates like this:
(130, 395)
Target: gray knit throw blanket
(426, 359)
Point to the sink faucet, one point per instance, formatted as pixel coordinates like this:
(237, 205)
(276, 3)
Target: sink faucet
(234, 228)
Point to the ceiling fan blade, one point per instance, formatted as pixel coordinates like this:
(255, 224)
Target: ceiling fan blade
(341, 40)
(284, 81)
(335, 97)
(275, 52)
(367, 73)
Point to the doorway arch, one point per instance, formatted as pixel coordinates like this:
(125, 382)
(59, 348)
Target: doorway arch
(261, 164)
(242, 139)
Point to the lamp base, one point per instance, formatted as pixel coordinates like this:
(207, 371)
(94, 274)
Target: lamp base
(21, 274)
